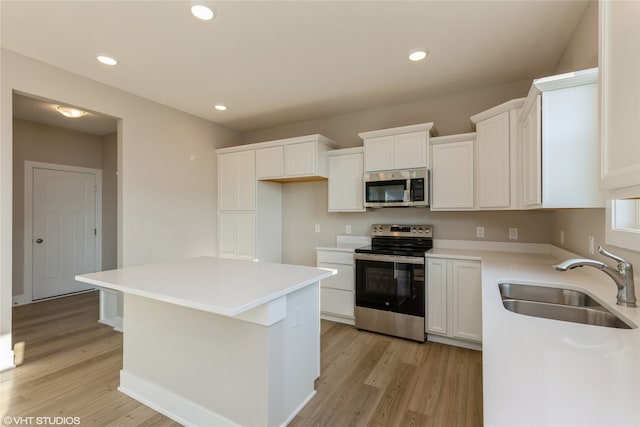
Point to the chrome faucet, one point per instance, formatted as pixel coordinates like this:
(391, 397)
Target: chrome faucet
(622, 275)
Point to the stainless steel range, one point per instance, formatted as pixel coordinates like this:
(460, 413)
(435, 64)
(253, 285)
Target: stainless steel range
(390, 280)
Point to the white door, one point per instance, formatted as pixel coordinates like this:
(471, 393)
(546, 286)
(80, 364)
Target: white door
(64, 231)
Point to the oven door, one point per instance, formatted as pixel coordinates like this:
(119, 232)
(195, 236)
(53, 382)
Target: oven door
(391, 283)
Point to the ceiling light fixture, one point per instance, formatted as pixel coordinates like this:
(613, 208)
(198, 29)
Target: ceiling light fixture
(107, 60)
(220, 107)
(72, 113)
(418, 55)
(202, 12)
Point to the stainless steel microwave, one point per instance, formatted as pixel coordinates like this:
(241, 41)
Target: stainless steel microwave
(399, 188)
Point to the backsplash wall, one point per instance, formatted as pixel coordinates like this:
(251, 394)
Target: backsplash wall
(305, 204)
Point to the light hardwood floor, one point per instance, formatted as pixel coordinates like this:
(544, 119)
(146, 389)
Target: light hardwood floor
(69, 364)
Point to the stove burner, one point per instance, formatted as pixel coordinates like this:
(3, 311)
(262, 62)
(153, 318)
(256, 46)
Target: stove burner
(403, 240)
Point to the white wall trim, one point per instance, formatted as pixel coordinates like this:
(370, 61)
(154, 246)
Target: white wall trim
(170, 404)
(6, 353)
(454, 342)
(18, 300)
(29, 166)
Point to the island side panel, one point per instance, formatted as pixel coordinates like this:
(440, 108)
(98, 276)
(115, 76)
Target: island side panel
(299, 354)
(215, 362)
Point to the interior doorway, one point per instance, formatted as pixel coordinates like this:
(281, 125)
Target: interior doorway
(64, 197)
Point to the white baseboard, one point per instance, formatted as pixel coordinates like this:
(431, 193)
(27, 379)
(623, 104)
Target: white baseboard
(119, 324)
(339, 319)
(172, 405)
(18, 300)
(454, 342)
(299, 408)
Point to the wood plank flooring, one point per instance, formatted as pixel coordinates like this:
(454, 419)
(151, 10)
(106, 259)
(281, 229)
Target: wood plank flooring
(69, 365)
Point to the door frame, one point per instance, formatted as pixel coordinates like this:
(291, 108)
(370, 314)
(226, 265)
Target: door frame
(29, 166)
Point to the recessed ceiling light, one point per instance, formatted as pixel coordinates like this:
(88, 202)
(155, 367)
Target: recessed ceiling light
(418, 55)
(220, 107)
(107, 60)
(202, 12)
(72, 113)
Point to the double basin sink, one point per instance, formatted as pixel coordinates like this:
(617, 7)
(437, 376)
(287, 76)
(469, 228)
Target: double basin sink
(558, 304)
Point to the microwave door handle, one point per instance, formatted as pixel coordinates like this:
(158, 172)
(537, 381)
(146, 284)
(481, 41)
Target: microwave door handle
(407, 196)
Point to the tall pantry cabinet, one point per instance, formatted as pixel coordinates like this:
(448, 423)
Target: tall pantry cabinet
(249, 211)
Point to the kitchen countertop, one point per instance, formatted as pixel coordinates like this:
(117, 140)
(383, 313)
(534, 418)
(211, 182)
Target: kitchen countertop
(543, 372)
(222, 286)
(347, 243)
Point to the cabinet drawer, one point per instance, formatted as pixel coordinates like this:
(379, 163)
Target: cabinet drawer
(337, 302)
(335, 257)
(343, 280)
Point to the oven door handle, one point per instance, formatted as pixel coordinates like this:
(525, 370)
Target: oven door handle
(390, 258)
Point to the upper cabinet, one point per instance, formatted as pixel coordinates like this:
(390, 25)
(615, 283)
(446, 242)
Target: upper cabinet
(496, 156)
(403, 147)
(452, 172)
(559, 147)
(237, 181)
(293, 159)
(619, 60)
(345, 180)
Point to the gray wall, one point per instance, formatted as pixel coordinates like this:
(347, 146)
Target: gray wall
(110, 201)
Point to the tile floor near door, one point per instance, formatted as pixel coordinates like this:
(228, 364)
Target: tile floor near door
(69, 364)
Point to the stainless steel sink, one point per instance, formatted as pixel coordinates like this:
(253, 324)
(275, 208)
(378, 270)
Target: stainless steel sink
(546, 294)
(558, 304)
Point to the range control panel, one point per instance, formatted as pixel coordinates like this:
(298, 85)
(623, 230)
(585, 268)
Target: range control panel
(401, 230)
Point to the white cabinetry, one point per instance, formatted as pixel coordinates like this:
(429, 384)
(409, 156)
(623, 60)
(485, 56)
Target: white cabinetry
(560, 143)
(403, 147)
(345, 180)
(454, 302)
(452, 172)
(496, 156)
(237, 181)
(337, 293)
(619, 61)
(237, 235)
(299, 158)
(249, 211)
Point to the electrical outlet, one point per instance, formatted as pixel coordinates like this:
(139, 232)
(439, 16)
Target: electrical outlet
(562, 237)
(480, 232)
(592, 245)
(317, 228)
(348, 229)
(297, 317)
(513, 234)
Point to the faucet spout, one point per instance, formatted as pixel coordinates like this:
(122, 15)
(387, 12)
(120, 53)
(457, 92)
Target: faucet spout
(622, 275)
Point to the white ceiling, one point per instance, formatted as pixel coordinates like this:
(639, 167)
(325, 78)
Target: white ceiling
(275, 63)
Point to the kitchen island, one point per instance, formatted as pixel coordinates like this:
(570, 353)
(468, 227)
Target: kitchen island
(211, 341)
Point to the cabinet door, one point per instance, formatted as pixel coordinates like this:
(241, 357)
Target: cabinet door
(345, 183)
(300, 159)
(436, 296)
(245, 236)
(619, 62)
(452, 176)
(237, 181)
(337, 302)
(270, 162)
(245, 181)
(227, 194)
(410, 150)
(466, 295)
(378, 154)
(531, 158)
(227, 235)
(493, 162)
(343, 280)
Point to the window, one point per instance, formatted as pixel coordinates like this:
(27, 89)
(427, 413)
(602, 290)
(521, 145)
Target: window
(623, 223)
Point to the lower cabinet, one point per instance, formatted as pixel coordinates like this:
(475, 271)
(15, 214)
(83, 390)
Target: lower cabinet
(237, 235)
(337, 293)
(454, 302)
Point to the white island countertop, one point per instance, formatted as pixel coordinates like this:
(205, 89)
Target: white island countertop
(543, 372)
(222, 286)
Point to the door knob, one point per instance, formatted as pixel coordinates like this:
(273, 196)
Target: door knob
(39, 240)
